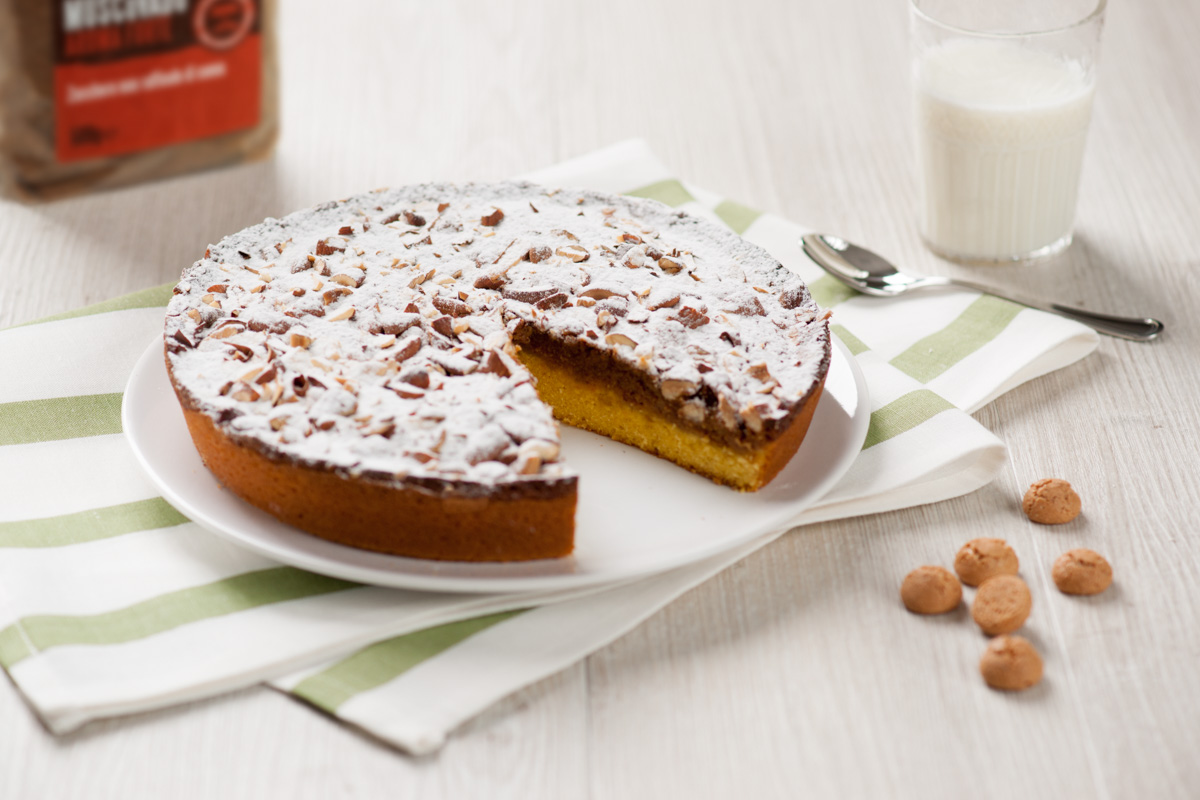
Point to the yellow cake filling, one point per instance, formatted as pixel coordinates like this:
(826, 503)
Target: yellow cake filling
(601, 408)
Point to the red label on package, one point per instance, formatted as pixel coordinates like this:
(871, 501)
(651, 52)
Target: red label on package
(134, 75)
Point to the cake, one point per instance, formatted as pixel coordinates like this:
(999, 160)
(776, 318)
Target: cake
(385, 371)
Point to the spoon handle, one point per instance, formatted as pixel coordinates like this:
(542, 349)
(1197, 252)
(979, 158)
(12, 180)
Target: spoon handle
(1139, 330)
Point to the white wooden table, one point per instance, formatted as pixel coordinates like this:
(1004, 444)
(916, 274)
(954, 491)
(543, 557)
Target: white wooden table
(796, 672)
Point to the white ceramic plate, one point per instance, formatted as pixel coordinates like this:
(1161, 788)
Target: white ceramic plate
(637, 514)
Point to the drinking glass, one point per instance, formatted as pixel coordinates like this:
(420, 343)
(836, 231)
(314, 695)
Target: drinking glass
(1002, 98)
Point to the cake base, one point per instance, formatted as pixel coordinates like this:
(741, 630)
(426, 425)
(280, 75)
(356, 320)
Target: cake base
(371, 515)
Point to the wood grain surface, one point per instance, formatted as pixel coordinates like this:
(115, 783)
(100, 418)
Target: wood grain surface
(797, 672)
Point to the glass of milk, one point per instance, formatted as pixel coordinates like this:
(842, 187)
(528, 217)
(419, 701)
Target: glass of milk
(1002, 96)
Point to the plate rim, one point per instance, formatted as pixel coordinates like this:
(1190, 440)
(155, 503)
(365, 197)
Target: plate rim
(151, 359)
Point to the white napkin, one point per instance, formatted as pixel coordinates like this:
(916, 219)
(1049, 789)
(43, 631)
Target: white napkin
(112, 603)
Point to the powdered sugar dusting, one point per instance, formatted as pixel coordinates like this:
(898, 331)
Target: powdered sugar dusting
(373, 334)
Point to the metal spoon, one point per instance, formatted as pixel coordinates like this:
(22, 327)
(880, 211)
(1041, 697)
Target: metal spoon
(871, 274)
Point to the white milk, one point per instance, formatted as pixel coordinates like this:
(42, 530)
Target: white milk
(1000, 135)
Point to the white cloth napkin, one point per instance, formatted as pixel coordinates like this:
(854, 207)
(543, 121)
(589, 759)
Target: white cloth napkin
(111, 602)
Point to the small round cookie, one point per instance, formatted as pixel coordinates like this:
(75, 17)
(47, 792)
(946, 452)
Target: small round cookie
(930, 590)
(1001, 605)
(1010, 663)
(1081, 571)
(1051, 501)
(980, 559)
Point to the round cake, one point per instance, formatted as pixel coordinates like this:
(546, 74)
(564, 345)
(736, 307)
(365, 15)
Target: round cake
(385, 371)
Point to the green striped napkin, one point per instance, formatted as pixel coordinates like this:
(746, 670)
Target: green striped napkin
(111, 602)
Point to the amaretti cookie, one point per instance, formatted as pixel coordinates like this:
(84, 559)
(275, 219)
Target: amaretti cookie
(983, 558)
(1001, 605)
(1010, 663)
(1051, 501)
(930, 590)
(1082, 571)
